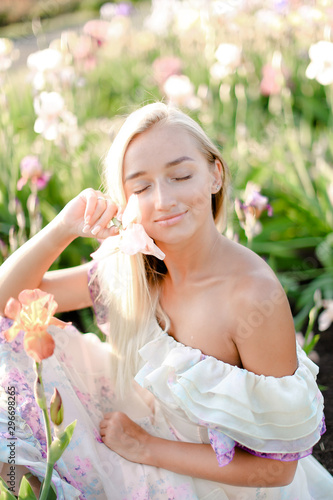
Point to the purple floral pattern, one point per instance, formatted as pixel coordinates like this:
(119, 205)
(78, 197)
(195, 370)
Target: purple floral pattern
(26, 406)
(223, 446)
(100, 309)
(17, 344)
(82, 465)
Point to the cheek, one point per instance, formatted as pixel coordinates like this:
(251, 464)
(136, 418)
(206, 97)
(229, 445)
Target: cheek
(145, 208)
(200, 199)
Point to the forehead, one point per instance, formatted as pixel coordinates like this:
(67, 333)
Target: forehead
(160, 143)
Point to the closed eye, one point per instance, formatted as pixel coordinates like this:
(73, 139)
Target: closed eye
(140, 190)
(183, 178)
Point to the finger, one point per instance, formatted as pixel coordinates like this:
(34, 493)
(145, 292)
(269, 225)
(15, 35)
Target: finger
(95, 208)
(99, 209)
(107, 232)
(106, 216)
(91, 199)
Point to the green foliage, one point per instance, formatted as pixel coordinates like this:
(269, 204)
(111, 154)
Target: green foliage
(25, 492)
(60, 443)
(5, 494)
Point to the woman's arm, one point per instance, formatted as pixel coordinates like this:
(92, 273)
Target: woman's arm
(26, 268)
(130, 441)
(199, 460)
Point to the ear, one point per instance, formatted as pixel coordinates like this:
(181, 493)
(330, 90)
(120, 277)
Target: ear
(217, 177)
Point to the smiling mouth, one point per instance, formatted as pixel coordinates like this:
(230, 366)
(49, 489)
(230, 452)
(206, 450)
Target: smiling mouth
(170, 219)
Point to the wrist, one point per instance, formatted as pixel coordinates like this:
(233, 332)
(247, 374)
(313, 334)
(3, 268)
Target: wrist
(64, 234)
(149, 446)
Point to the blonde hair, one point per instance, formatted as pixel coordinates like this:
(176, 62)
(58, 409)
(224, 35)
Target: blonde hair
(131, 283)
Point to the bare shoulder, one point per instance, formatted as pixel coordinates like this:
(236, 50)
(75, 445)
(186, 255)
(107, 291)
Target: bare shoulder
(262, 328)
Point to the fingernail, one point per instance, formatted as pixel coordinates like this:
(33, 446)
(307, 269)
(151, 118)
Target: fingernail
(96, 230)
(86, 228)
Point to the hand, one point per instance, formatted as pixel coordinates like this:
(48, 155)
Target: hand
(89, 214)
(125, 437)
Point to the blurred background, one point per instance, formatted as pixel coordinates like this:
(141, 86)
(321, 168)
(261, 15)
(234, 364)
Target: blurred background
(257, 75)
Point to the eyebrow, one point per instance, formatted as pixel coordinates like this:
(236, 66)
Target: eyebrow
(172, 163)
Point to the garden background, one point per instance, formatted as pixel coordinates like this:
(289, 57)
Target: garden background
(258, 76)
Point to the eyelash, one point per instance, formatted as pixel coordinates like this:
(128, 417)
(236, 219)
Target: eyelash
(183, 178)
(140, 191)
(175, 178)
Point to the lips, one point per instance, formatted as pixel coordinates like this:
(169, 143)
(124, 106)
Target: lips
(167, 217)
(170, 219)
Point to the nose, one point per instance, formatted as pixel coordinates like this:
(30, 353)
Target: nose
(163, 197)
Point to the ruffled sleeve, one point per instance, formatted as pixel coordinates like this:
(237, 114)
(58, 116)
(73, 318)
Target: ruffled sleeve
(275, 417)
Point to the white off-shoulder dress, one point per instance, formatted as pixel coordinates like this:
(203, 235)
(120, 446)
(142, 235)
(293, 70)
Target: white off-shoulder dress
(178, 394)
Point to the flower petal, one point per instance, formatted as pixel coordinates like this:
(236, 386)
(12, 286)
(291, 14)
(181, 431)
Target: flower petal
(131, 212)
(135, 239)
(38, 308)
(43, 180)
(109, 246)
(39, 299)
(325, 318)
(39, 345)
(26, 297)
(21, 183)
(130, 241)
(312, 70)
(12, 332)
(325, 77)
(56, 408)
(13, 308)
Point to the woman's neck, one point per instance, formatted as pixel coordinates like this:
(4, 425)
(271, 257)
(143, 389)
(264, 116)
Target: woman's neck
(191, 260)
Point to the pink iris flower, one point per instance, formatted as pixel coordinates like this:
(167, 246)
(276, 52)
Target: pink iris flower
(271, 82)
(31, 170)
(33, 313)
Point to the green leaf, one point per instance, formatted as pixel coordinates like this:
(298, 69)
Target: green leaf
(5, 494)
(60, 443)
(26, 492)
(324, 251)
(311, 345)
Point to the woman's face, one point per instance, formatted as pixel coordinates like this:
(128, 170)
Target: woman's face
(173, 181)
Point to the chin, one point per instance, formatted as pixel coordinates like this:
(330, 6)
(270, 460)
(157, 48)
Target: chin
(172, 235)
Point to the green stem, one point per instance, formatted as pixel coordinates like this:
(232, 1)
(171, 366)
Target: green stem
(329, 98)
(294, 147)
(43, 406)
(47, 482)
(47, 428)
(312, 317)
(249, 243)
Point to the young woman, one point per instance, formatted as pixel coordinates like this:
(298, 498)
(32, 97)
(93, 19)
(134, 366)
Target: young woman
(204, 393)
